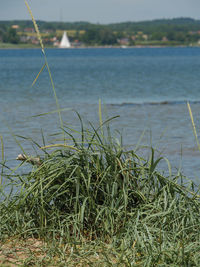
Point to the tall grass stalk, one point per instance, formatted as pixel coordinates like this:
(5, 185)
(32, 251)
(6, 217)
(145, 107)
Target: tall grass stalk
(193, 125)
(45, 64)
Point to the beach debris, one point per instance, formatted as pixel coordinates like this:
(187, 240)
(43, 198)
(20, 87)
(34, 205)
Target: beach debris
(32, 160)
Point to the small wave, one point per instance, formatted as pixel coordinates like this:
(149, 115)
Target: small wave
(178, 102)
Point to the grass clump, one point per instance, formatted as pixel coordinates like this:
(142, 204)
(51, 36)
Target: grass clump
(96, 202)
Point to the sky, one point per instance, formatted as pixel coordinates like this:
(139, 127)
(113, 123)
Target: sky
(99, 11)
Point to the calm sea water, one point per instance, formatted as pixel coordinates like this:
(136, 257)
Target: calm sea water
(147, 87)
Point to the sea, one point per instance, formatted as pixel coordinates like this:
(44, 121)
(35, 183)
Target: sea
(147, 88)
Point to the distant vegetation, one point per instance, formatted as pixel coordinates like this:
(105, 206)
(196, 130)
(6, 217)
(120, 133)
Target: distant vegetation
(179, 31)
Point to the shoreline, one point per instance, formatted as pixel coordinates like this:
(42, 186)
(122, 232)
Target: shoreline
(9, 47)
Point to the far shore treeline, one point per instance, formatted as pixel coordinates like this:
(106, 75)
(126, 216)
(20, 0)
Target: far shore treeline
(162, 32)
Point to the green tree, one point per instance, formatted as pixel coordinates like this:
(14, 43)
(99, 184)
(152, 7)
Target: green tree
(171, 36)
(106, 37)
(157, 36)
(1, 35)
(11, 36)
(180, 36)
(99, 36)
(91, 36)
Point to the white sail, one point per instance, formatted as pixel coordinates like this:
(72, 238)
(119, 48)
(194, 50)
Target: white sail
(65, 41)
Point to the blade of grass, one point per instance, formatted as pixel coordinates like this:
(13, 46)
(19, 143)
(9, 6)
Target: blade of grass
(2, 158)
(51, 112)
(193, 125)
(38, 75)
(100, 117)
(60, 145)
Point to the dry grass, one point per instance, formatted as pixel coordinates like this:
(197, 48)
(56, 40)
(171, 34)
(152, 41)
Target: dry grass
(34, 252)
(16, 251)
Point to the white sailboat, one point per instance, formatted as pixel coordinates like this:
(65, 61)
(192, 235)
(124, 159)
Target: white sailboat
(64, 41)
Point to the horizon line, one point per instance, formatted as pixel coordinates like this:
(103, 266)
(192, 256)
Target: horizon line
(84, 21)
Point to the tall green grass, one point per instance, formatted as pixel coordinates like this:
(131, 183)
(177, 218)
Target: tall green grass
(101, 193)
(94, 203)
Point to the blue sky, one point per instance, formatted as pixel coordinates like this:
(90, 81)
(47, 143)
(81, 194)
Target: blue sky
(100, 11)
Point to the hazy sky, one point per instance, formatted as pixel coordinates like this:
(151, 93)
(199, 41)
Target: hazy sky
(100, 11)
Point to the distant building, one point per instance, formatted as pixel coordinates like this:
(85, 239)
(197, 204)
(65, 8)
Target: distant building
(164, 39)
(192, 32)
(29, 30)
(123, 41)
(24, 39)
(15, 27)
(29, 39)
(56, 42)
(145, 37)
(77, 43)
(48, 31)
(35, 41)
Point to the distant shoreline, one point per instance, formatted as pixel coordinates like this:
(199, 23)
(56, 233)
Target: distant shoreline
(96, 47)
